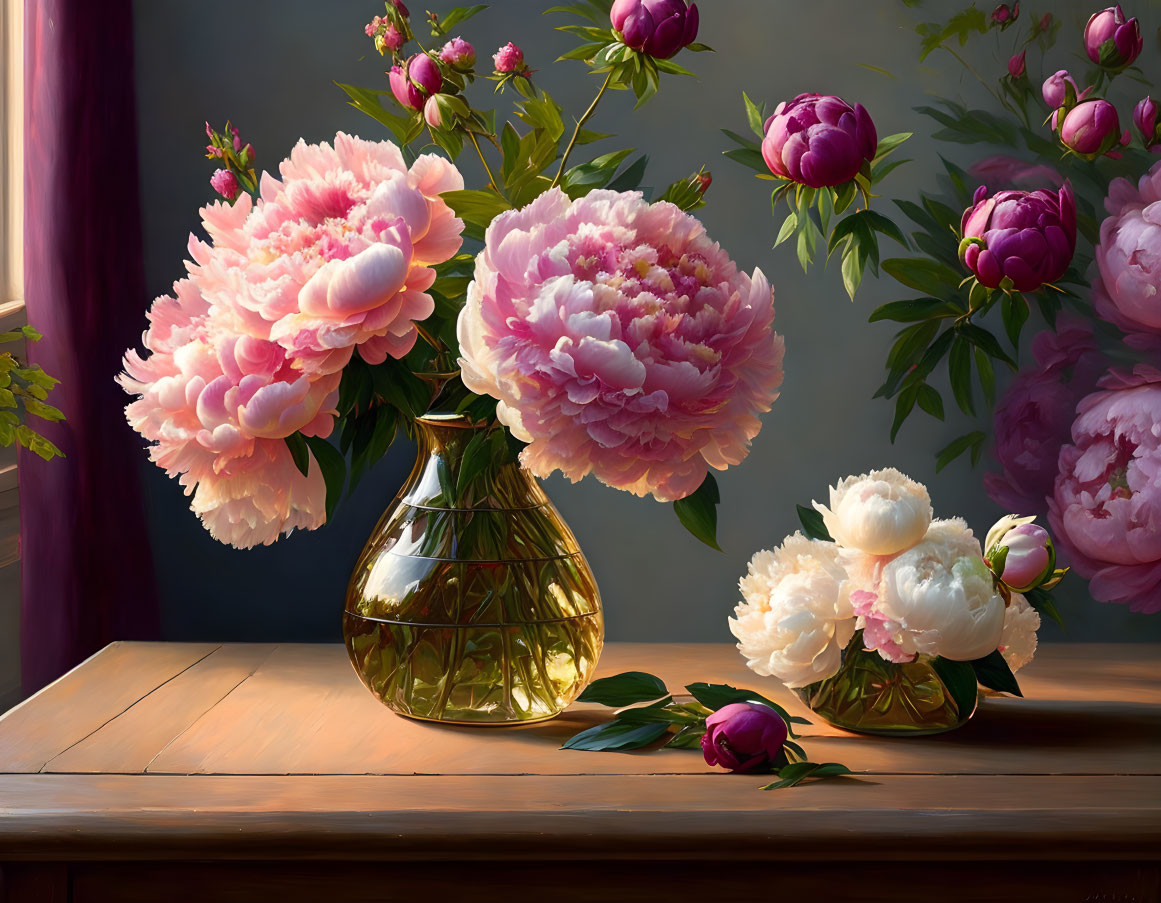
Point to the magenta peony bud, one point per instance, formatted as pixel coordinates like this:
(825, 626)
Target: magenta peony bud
(1026, 555)
(659, 28)
(405, 92)
(1145, 119)
(391, 39)
(458, 54)
(224, 183)
(423, 72)
(818, 140)
(1004, 15)
(1110, 40)
(403, 10)
(1054, 90)
(1091, 128)
(1024, 239)
(509, 58)
(1017, 65)
(743, 737)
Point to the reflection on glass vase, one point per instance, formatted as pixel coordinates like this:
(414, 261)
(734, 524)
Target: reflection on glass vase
(873, 696)
(472, 602)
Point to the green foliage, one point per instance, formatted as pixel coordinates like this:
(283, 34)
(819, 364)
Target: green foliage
(628, 688)
(698, 512)
(24, 390)
(992, 671)
(813, 525)
(796, 772)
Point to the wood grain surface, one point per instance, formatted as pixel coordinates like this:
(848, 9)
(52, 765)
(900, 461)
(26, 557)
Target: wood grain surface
(249, 755)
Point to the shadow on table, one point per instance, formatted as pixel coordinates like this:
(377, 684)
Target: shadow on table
(1050, 724)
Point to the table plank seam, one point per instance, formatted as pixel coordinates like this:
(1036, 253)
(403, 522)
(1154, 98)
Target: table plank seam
(198, 720)
(108, 721)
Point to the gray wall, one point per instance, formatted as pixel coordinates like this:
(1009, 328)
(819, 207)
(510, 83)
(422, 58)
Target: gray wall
(270, 65)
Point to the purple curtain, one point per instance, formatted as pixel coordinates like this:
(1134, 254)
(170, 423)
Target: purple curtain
(87, 576)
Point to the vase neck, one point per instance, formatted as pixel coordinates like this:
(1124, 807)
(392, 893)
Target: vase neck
(465, 464)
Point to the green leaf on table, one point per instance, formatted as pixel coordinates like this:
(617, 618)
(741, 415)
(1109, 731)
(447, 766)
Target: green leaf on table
(796, 772)
(992, 671)
(717, 696)
(616, 735)
(698, 512)
(628, 688)
(689, 737)
(956, 448)
(333, 467)
(960, 680)
(813, 525)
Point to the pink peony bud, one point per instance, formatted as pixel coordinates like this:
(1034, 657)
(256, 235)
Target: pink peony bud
(406, 93)
(1017, 65)
(1110, 40)
(1145, 119)
(224, 183)
(1054, 90)
(1091, 128)
(509, 58)
(1019, 239)
(704, 181)
(209, 132)
(1029, 560)
(423, 72)
(433, 111)
(373, 26)
(392, 39)
(743, 737)
(1004, 15)
(818, 140)
(1045, 22)
(458, 54)
(403, 10)
(659, 28)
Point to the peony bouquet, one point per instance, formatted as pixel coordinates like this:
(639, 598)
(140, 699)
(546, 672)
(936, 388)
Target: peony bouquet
(328, 305)
(876, 572)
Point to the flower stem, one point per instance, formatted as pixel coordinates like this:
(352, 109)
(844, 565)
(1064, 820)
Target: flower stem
(970, 68)
(479, 151)
(432, 340)
(579, 125)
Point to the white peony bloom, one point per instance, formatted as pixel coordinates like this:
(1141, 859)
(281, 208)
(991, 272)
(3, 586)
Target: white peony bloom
(942, 595)
(1018, 641)
(883, 512)
(796, 617)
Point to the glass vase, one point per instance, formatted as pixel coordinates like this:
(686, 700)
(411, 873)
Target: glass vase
(870, 695)
(472, 603)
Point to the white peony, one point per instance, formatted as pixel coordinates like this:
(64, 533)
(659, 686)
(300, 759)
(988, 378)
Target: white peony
(883, 512)
(796, 617)
(1018, 640)
(942, 596)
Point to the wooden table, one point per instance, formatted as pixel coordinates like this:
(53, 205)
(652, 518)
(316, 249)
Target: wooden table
(167, 772)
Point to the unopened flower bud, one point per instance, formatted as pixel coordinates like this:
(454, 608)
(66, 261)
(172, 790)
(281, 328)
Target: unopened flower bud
(1110, 40)
(224, 183)
(458, 54)
(509, 58)
(1017, 65)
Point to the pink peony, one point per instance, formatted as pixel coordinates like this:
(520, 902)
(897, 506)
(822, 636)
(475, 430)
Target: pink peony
(620, 341)
(1034, 417)
(1106, 508)
(509, 58)
(1128, 292)
(334, 257)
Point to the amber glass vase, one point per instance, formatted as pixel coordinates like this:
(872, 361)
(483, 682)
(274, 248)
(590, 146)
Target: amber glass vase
(472, 602)
(873, 696)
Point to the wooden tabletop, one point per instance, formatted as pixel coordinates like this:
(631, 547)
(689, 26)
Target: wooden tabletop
(156, 751)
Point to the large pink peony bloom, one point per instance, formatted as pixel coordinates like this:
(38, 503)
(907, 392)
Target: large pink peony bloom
(1106, 510)
(250, 348)
(620, 341)
(1128, 292)
(1033, 418)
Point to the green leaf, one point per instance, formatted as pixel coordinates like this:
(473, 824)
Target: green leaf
(930, 401)
(959, 365)
(952, 451)
(904, 405)
(718, 696)
(926, 276)
(987, 376)
(992, 671)
(631, 178)
(42, 410)
(333, 467)
(747, 157)
(36, 443)
(881, 224)
(616, 735)
(796, 772)
(981, 338)
(915, 310)
(474, 461)
(960, 680)
(912, 343)
(698, 512)
(628, 688)
(754, 116)
(366, 100)
(813, 525)
(299, 452)
(1015, 313)
(479, 207)
(689, 737)
(852, 270)
(460, 14)
(789, 226)
(888, 145)
(1043, 602)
